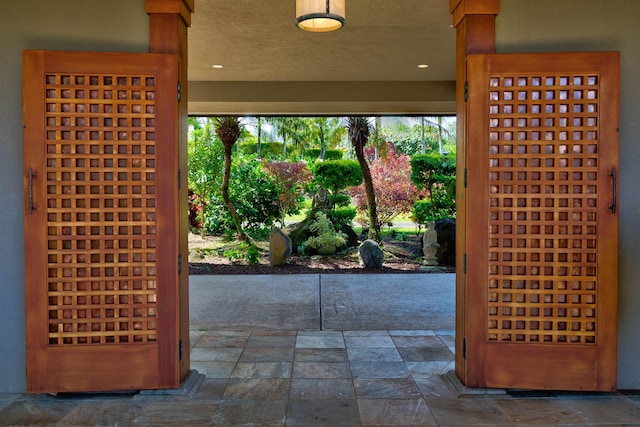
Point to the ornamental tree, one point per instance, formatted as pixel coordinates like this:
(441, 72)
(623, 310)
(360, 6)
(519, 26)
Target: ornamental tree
(394, 191)
(291, 178)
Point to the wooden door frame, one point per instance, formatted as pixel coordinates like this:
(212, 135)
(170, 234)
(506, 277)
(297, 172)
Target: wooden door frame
(474, 22)
(168, 22)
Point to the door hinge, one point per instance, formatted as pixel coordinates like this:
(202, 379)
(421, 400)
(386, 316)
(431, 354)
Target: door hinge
(465, 177)
(179, 263)
(464, 348)
(466, 91)
(179, 91)
(464, 263)
(180, 349)
(180, 179)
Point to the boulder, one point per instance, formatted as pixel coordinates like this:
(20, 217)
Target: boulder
(446, 229)
(279, 247)
(370, 254)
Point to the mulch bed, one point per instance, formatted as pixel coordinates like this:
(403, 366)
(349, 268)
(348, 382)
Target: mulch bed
(400, 257)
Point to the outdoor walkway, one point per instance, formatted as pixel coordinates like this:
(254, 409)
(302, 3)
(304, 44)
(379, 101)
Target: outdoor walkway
(267, 376)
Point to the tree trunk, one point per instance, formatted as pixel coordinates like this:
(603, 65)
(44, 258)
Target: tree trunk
(225, 192)
(374, 229)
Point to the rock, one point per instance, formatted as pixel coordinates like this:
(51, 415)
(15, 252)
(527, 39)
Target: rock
(370, 254)
(430, 245)
(446, 229)
(280, 247)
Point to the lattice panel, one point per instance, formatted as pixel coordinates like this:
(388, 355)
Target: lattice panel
(101, 205)
(543, 185)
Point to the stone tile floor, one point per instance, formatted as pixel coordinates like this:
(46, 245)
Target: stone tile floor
(323, 378)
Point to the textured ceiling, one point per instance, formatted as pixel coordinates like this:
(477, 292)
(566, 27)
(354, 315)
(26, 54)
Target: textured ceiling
(257, 41)
(383, 40)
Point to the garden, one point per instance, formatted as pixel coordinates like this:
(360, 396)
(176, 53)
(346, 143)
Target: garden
(329, 183)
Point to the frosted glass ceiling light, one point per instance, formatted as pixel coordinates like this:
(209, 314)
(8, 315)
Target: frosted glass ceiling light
(320, 16)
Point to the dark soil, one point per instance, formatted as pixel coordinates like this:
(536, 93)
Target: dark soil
(401, 256)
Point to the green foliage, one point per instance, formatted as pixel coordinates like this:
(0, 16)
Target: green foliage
(343, 215)
(268, 150)
(429, 169)
(255, 194)
(436, 174)
(244, 251)
(205, 161)
(313, 154)
(326, 236)
(340, 199)
(336, 175)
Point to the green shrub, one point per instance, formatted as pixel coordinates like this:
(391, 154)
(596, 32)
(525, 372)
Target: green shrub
(336, 175)
(343, 215)
(269, 150)
(313, 154)
(340, 199)
(436, 174)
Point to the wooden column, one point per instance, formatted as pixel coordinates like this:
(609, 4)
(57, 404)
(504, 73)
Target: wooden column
(474, 21)
(169, 20)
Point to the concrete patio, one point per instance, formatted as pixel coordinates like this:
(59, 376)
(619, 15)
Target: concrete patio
(323, 350)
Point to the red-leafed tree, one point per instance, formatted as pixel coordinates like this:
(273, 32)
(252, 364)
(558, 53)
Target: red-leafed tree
(292, 178)
(395, 193)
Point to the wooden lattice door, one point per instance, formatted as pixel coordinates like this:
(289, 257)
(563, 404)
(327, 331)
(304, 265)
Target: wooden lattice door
(101, 221)
(542, 225)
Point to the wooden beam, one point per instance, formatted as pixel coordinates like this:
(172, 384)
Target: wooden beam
(462, 8)
(474, 21)
(168, 24)
(183, 8)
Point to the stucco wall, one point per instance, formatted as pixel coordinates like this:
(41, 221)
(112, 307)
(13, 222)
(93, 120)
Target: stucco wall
(597, 25)
(97, 25)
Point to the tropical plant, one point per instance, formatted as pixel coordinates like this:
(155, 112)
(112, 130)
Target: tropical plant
(292, 130)
(395, 193)
(206, 158)
(229, 129)
(359, 130)
(327, 133)
(255, 194)
(326, 239)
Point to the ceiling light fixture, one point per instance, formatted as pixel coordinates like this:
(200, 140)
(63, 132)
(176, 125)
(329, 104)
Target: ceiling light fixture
(320, 16)
(218, 66)
(423, 66)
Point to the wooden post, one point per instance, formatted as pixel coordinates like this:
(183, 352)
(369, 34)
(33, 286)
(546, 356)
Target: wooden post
(474, 21)
(169, 20)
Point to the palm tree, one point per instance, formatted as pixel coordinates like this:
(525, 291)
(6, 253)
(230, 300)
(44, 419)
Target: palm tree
(434, 125)
(229, 129)
(327, 131)
(359, 130)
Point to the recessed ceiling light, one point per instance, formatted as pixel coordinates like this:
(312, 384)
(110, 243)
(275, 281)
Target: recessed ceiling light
(423, 66)
(218, 66)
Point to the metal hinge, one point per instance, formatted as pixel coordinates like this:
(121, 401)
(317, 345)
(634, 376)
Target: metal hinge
(466, 91)
(179, 91)
(179, 263)
(180, 349)
(464, 267)
(465, 177)
(464, 348)
(180, 179)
